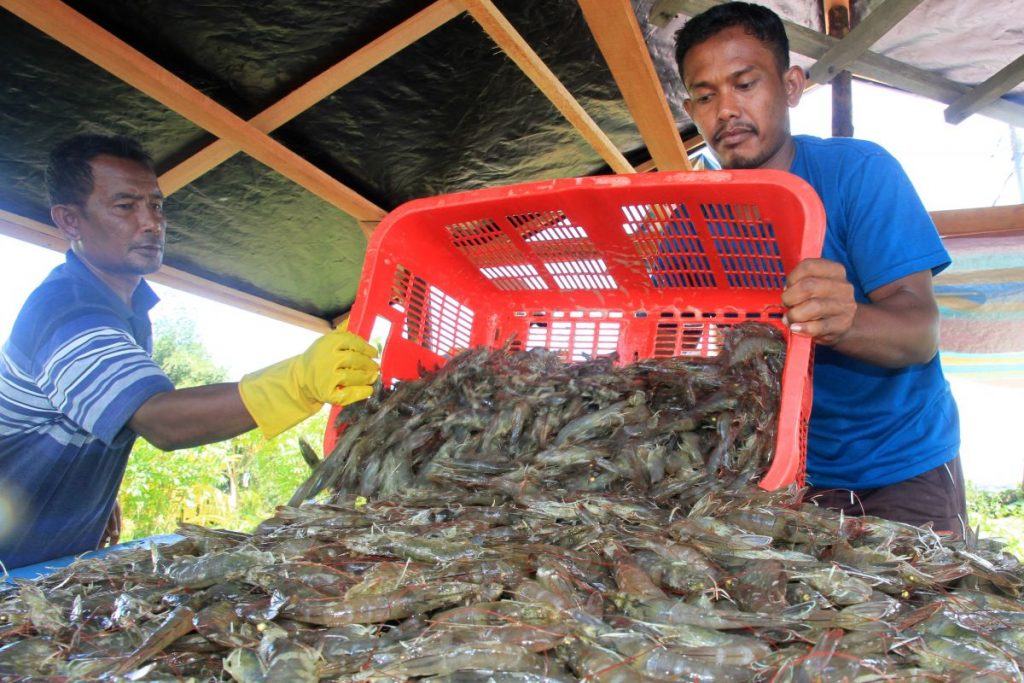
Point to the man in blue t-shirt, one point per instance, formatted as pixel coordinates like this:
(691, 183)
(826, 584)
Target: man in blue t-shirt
(884, 435)
(77, 383)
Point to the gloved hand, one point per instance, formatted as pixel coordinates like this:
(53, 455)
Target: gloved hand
(337, 368)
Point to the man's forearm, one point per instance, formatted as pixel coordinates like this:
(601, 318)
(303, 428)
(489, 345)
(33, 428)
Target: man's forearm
(897, 328)
(191, 417)
(896, 332)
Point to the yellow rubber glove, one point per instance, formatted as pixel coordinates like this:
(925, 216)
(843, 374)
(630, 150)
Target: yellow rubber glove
(337, 368)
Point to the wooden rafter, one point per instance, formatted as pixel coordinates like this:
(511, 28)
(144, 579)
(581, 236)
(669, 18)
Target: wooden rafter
(614, 27)
(870, 65)
(903, 76)
(112, 54)
(690, 144)
(992, 89)
(43, 235)
(860, 39)
(519, 51)
(316, 89)
(983, 221)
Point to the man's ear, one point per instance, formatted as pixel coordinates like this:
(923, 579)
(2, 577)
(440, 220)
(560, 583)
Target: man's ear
(687, 106)
(66, 218)
(794, 81)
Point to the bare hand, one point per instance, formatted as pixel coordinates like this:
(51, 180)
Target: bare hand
(819, 301)
(112, 534)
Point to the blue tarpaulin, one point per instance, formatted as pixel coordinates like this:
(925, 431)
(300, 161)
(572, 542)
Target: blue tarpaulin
(35, 571)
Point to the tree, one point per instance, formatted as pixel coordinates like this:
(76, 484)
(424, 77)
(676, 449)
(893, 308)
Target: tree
(179, 351)
(233, 484)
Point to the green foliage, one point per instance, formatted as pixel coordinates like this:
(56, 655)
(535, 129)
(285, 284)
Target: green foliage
(233, 484)
(272, 475)
(179, 351)
(1002, 503)
(998, 514)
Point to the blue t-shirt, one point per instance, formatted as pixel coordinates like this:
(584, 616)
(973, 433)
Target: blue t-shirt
(76, 368)
(872, 426)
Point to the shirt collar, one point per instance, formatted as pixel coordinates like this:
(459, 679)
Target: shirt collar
(143, 298)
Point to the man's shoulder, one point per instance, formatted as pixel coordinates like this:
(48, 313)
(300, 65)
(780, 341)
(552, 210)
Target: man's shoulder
(852, 148)
(57, 294)
(59, 300)
(836, 162)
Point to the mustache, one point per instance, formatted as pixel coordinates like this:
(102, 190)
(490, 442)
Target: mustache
(727, 129)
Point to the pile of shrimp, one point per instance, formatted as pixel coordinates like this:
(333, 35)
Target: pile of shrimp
(744, 586)
(500, 423)
(617, 537)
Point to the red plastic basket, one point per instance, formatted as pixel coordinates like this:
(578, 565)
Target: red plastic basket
(650, 265)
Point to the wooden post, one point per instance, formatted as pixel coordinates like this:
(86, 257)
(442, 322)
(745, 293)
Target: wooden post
(614, 27)
(838, 23)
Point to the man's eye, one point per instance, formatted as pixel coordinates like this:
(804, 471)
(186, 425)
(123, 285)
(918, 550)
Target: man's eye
(123, 207)
(703, 99)
(745, 86)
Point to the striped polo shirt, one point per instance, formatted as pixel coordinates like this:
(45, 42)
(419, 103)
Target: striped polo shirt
(76, 368)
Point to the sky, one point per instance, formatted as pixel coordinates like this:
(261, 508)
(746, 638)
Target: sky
(237, 340)
(953, 167)
(964, 166)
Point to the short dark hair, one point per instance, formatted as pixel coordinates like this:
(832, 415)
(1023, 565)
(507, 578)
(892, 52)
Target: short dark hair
(69, 174)
(758, 21)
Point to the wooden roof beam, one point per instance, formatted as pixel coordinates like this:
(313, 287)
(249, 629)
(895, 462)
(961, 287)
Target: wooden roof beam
(870, 65)
(989, 91)
(690, 144)
(860, 39)
(43, 235)
(987, 220)
(88, 39)
(614, 26)
(316, 89)
(519, 51)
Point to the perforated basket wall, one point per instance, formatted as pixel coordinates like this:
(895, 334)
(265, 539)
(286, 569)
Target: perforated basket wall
(651, 265)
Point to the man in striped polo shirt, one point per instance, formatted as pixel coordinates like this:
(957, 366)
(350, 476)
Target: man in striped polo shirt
(77, 383)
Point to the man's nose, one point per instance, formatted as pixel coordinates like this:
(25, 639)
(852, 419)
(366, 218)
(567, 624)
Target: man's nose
(728, 106)
(152, 219)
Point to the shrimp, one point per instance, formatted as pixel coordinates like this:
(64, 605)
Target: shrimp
(220, 624)
(502, 612)
(27, 658)
(244, 666)
(529, 590)
(44, 616)
(206, 570)
(667, 664)
(972, 656)
(759, 586)
(594, 663)
(286, 660)
(629, 576)
(320, 577)
(356, 639)
(372, 609)
(553, 674)
(431, 549)
(468, 656)
(669, 611)
(721, 648)
(591, 424)
(837, 584)
(177, 624)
